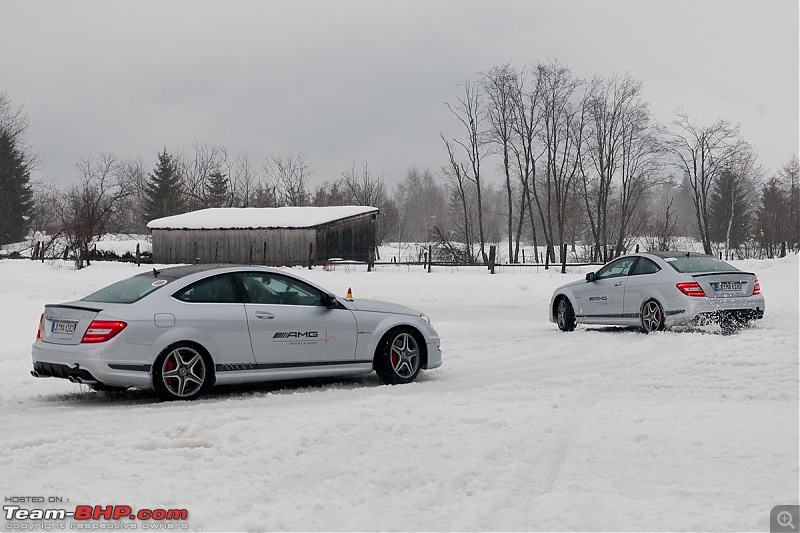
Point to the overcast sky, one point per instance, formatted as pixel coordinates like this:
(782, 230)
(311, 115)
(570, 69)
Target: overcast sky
(345, 81)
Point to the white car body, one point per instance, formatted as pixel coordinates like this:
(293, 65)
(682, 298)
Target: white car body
(246, 341)
(657, 290)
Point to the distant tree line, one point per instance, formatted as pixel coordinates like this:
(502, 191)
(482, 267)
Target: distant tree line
(584, 163)
(541, 159)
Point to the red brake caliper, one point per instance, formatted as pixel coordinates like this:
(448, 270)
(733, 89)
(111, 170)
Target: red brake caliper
(394, 358)
(170, 365)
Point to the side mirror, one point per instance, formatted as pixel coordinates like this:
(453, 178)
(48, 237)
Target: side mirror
(590, 276)
(329, 300)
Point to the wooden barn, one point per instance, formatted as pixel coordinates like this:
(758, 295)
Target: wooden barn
(265, 236)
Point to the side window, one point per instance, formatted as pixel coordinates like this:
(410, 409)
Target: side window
(616, 269)
(644, 266)
(274, 289)
(216, 289)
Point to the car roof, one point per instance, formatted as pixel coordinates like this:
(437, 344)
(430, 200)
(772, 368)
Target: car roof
(676, 254)
(179, 272)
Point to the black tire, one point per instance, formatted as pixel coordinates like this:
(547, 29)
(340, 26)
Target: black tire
(565, 314)
(183, 371)
(652, 316)
(398, 357)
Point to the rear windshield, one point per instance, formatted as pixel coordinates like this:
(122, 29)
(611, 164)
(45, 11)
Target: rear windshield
(126, 291)
(691, 265)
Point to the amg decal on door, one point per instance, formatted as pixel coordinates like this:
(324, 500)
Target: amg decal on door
(296, 335)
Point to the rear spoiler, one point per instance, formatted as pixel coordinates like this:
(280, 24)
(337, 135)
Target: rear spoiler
(64, 306)
(721, 272)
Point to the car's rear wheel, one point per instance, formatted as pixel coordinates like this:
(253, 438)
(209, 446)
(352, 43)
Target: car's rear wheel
(398, 358)
(182, 372)
(652, 316)
(565, 314)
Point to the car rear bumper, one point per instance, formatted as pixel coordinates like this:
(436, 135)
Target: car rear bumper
(698, 311)
(99, 364)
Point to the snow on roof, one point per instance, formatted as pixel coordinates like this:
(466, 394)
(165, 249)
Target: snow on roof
(259, 217)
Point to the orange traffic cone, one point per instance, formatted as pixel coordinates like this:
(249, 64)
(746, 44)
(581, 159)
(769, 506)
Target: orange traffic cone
(349, 293)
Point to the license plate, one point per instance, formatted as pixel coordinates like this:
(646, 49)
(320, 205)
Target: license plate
(63, 327)
(728, 286)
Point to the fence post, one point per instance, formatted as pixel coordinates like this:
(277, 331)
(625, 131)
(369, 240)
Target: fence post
(637, 248)
(138, 255)
(430, 257)
(564, 258)
(371, 259)
(783, 249)
(492, 257)
(310, 255)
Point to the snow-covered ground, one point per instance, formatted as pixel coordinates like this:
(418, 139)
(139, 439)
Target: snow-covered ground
(523, 427)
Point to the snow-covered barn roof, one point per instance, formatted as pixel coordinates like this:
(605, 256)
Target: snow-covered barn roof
(259, 217)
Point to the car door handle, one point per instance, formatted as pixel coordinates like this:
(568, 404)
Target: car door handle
(265, 315)
(618, 284)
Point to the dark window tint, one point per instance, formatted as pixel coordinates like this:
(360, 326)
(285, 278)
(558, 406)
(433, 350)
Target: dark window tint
(127, 291)
(691, 265)
(216, 289)
(615, 269)
(274, 289)
(644, 266)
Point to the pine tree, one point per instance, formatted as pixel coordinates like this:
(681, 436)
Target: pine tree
(163, 194)
(217, 194)
(729, 209)
(16, 200)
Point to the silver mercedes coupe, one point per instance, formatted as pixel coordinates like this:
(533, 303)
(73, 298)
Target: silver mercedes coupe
(656, 290)
(182, 329)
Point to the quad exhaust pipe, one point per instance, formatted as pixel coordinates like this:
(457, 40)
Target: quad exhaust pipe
(35, 374)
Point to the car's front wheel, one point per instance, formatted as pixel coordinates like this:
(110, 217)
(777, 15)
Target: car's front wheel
(652, 316)
(565, 314)
(398, 358)
(182, 372)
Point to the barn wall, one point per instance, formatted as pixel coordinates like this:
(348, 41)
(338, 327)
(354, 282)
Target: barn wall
(351, 239)
(242, 246)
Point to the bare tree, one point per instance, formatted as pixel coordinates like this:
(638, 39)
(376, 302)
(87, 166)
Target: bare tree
(527, 122)
(330, 193)
(471, 113)
(620, 162)
(499, 85)
(207, 164)
(86, 210)
(289, 177)
(790, 174)
(244, 180)
(458, 183)
(564, 118)
(130, 212)
(702, 152)
(363, 187)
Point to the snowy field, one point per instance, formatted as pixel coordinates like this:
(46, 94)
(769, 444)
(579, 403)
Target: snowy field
(523, 427)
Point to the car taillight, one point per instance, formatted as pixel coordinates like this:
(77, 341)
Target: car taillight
(102, 330)
(756, 288)
(691, 289)
(41, 325)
